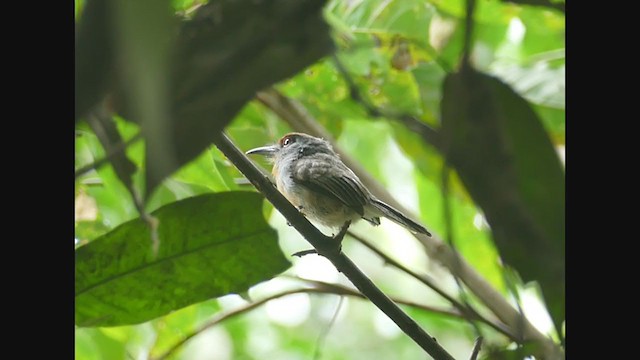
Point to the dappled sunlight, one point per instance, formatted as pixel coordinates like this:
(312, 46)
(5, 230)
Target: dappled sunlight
(290, 311)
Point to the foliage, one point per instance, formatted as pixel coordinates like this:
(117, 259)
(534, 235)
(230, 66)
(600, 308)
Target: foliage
(212, 245)
(399, 53)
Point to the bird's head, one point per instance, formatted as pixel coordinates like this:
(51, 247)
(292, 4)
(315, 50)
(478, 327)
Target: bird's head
(294, 145)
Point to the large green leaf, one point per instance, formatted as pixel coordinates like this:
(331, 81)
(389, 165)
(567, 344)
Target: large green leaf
(505, 159)
(210, 245)
(404, 17)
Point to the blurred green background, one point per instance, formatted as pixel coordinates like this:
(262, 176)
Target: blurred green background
(398, 52)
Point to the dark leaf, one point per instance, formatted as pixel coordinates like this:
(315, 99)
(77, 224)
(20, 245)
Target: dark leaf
(219, 59)
(93, 55)
(210, 245)
(505, 159)
(228, 52)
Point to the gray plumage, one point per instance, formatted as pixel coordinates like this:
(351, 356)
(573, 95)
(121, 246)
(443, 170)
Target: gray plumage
(312, 177)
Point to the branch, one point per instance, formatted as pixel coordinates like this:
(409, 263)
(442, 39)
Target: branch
(294, 113)
(342, 290)
(101, 123)
(114, 151)
(429, 134)
(319, 288)
(465, 309)
(476, 348)
(326, 246)
(222, 317)
(468, 33)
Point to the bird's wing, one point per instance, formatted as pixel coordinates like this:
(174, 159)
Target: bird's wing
(342, 188)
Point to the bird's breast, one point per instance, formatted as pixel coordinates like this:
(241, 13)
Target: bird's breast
(316, 206)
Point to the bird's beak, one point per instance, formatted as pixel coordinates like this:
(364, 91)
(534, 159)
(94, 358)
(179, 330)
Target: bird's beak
(268, 151)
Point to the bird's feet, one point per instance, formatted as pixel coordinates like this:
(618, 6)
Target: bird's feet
(343, 231)
(305, 252)
(334, 247)
(299, 207)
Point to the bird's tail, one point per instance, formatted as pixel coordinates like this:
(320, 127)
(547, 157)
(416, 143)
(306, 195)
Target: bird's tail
(399, 218)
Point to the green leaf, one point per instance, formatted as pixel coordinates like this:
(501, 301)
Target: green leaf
(506, 160)
(210, 245)
(404, 17)
(203, 171)
(474, 243)
(171, 328)
(94, 344)
(554, 122)
(545, 30)
(324, 94)
(428, 77)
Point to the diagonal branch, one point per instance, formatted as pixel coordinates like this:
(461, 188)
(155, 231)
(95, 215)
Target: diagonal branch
(468, 32)
(106, 132)
(429, 134)
(465, 309)
(326, 246)
(476, 348)
(295, 114)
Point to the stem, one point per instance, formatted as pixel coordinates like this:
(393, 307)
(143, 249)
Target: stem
(114, 151)
(429, 134)
(448, 221)
(326, 247)
(476, 348)
(468, 33)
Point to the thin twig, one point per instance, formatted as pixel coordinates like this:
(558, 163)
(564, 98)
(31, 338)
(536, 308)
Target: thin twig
(468, 33)
(115, 150)
(323, 335)
(465, 309)
(343, 290)
(319, 288)
(100, 123)
(511, 286)
(429, 134)
(476, 348)
(326, 247)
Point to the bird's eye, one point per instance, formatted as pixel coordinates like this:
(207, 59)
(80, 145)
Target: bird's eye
(286, 141)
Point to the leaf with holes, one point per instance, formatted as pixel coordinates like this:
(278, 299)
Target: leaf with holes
(210, 245)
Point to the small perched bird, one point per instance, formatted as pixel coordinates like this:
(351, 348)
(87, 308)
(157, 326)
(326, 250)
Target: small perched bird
(313, 178)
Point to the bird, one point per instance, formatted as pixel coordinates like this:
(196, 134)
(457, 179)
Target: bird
(311, 175)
